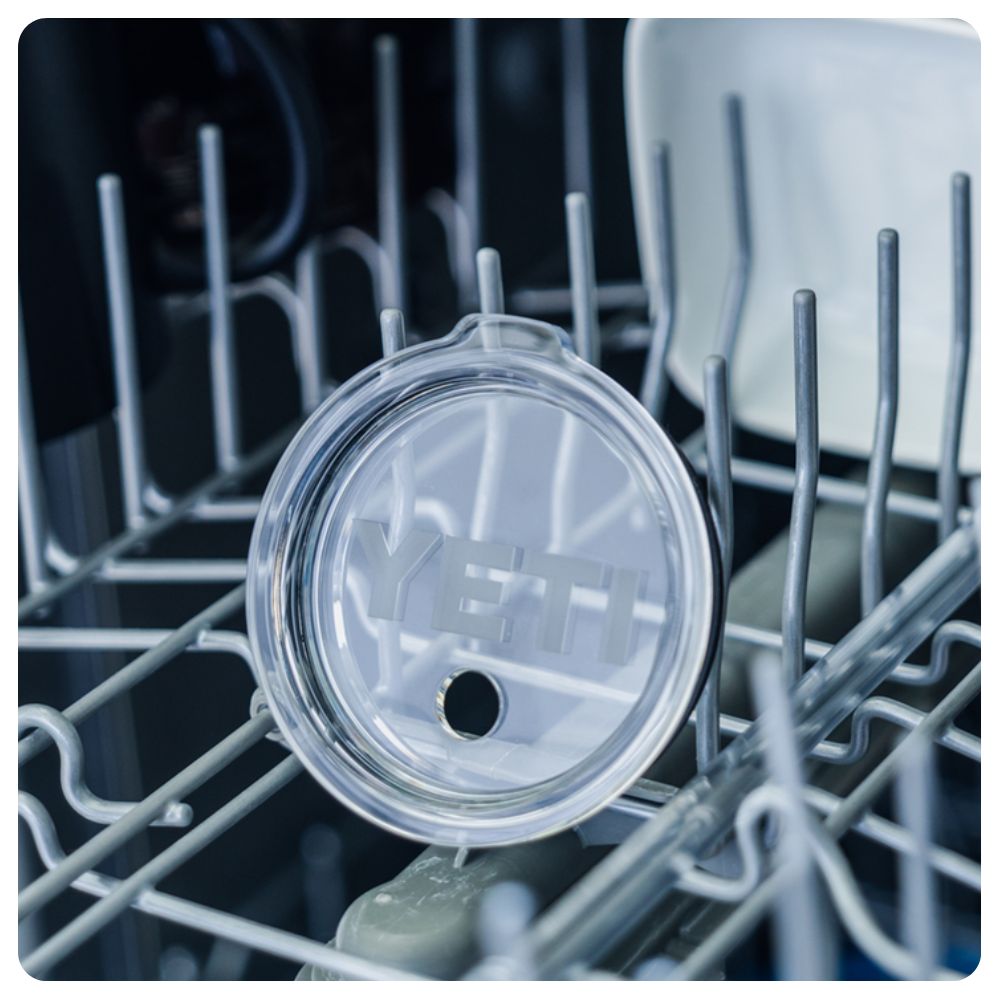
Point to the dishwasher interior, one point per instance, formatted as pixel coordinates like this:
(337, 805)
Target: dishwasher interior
(208, 254)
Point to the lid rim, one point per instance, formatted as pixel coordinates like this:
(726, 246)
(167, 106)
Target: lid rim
(380, 802)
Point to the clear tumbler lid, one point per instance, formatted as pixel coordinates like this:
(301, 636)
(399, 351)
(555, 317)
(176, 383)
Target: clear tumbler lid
(483, 588)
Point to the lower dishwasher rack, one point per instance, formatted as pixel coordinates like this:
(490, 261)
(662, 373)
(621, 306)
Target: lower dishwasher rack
(762, 825)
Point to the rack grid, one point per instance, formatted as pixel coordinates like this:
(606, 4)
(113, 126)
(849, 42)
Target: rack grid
(702, 839)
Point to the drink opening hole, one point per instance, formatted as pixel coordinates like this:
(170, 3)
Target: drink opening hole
(469, 704)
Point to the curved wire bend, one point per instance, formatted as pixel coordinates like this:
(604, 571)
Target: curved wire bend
(901, 715)
(887, 709)
(946, 636)
(845, 893)
(78, 795)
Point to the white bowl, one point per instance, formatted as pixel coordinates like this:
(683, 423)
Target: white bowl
(850, 126)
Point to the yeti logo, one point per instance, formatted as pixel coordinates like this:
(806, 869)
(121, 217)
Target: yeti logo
(393, 571)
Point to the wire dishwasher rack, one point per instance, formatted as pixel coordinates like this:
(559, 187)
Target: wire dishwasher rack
(765, 829)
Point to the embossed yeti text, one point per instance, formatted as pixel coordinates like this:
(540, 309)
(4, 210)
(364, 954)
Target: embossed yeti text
(392, 572)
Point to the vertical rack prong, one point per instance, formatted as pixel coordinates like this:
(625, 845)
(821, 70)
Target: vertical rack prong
(718, 448)
(391, 201)
(801, 937)
(468, 177)
(312, 345)
(880, 467)
(577, 155)
(915, 794)
(30, 488)
(582, 278)
(949, 483)
(321, 850)
(490, 281)
(739, 271)
(131, 445)
(505, 914)
(793, 609)
(653, 392)
(393, 331)
(225, 399)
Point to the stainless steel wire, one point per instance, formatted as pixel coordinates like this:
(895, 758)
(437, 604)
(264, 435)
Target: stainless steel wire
(225, 400)
(718, 450)
(949, 480)
(131, 446)
(655, 383)
(738, 281)
(392, 220)
(672, 845)
(793, 609)
(583, 282)
(880, 466)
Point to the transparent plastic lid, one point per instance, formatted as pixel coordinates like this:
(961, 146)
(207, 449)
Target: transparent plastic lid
(483, 588)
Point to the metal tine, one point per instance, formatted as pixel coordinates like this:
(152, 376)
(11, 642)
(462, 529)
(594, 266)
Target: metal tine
(131, 442)
(738, 280)
(577, 150)
(63, 733)
(312, 345)
(915, 794)
(718, 446)
(225, 399)
(793, 610)
(30, 485)
(391, 200)
(656, 969)
(583, 281)
(653, 392)
(468, 166)
(949, 483)
(801, 938)
(506, 911)
(324, 891)
(490, 281)
(880, 466)
(393, 330)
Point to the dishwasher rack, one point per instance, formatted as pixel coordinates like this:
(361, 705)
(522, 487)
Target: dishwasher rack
(703, 841)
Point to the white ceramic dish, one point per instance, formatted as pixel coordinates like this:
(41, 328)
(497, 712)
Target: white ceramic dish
(850, 126)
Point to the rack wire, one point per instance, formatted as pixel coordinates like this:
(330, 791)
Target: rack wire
(701, 840)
